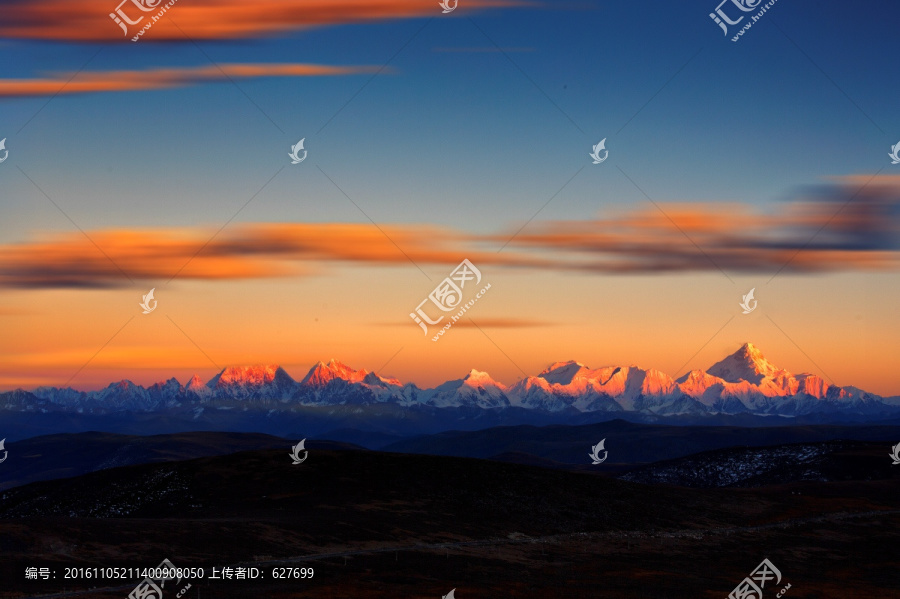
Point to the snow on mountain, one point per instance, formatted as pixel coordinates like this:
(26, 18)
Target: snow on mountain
(244, 376)
(563, 373)
(744, 382)
(537, 393)
(66, 398)
(702, 386)
(891, 401)
(565, 385)
(746, 364)
(572, 385)
(335, 383)
(745, 466)
(476, 389)
(262, 382)
(23, 401)
(167, 394)
(321, 374)
(123, 396)
(197, 388)
(636, 389)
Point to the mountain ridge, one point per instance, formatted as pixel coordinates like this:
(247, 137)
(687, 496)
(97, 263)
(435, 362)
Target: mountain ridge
(743, 382)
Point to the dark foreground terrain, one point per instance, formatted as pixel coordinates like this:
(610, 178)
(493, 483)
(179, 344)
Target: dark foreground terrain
(50, 457)
(375, 525)
(631, 446)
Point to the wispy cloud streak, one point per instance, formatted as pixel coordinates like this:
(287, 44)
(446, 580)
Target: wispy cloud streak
(88, 20)
(817, 232)
(163, 78)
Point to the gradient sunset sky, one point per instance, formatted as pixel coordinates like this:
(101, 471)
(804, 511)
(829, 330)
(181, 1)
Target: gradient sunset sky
(433, 138)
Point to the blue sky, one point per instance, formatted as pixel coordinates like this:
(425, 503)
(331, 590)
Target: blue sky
(454, 134)
(441, 134)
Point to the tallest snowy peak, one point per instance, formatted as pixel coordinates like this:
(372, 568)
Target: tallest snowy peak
(747, 364)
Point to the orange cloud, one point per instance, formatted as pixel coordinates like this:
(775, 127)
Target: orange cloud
(497, 323)
(111, 258)
(853, 224)
(843, 226)
(117, 81)
(486, 323)
(89, 20)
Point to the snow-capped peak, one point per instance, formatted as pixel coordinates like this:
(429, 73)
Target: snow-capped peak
(195, 384)
(244, 376)
(562, 373)
(476, 389)
(742, 382)
(321, 374)
(477, 378)
(746, 364)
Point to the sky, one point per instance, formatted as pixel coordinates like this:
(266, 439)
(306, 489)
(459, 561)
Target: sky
(430, 138)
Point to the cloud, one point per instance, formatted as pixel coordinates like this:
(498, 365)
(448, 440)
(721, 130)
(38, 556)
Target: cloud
(163, 78)
(89, 21)
(111, 258)
(498, 323)
(486, 323)
(851, 224)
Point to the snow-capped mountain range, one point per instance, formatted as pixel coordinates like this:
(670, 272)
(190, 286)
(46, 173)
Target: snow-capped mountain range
(744, 382)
